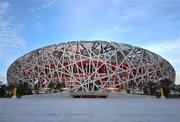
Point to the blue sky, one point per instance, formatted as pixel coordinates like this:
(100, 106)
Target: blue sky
(26, 25)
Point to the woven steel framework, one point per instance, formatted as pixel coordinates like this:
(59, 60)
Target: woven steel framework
(91, 66)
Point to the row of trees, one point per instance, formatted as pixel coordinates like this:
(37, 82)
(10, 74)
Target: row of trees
(22, 89)
(4, 90)
(152, 88)
(52, 87)
(26, 89)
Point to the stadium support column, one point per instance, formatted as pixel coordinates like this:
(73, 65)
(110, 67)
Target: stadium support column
(162, 92)
(14, 93)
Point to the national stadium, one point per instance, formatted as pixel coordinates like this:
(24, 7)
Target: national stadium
(92, 67)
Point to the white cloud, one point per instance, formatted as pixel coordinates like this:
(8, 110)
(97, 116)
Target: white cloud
(3, 79)
(164, 46)
(44, 5)
(9, 33)
(48, 4)
(32, 9)
(9, 38)
(3, 7)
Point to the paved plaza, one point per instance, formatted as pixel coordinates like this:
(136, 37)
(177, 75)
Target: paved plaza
(89, 110)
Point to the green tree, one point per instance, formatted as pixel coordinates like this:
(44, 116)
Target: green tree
(23, 89)
(4, 90)
(36, 88)
(51, 86)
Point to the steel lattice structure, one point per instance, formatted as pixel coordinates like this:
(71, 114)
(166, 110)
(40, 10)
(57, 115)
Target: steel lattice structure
(91, 66)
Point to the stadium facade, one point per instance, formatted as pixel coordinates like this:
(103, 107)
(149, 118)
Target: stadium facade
(91, 66)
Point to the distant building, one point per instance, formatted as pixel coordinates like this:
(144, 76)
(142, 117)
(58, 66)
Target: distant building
(92, 66)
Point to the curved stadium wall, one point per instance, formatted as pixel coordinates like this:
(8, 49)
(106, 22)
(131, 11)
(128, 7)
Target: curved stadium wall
(91, 66)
